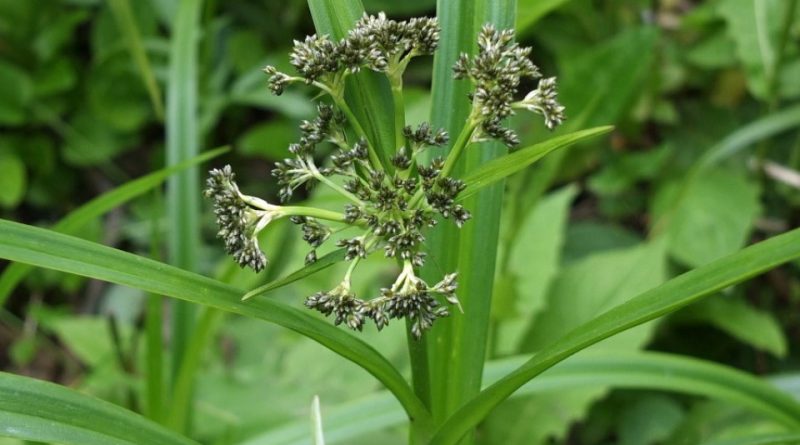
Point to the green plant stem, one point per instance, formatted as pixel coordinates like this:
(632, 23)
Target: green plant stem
(396, 84)
(181, 401)
(313, 212)
(461, 143)
(420, 377)
(453, 156)
(338, 189)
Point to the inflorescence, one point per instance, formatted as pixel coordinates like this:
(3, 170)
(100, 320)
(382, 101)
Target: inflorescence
(392, 203)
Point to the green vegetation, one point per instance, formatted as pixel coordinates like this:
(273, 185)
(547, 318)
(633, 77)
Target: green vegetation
(493, 258)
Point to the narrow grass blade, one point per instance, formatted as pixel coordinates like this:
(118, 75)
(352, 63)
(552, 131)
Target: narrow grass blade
(509, 164)
(367, 93)
(767, 439)
(316, 422)
(78, 218)
(183, 190)
(668, 297)
(321, 264)
(627, 370)
(751, 133)
(51, 250)
(155, 385)
(45, 412)
(123, 14)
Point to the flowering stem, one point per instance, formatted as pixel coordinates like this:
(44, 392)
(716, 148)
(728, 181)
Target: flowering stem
(399, 111)
(319, 176)
(313, 212)
(395, 75)
(463, 140)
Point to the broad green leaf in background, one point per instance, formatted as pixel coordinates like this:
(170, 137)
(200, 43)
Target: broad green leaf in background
(754, 26)
(714, 215)
(624, 170)
(594, 96)
(585, 238)
(78, 218)
(509, 164)
(595, 284)
(739, 319)
(48, 249)
(672, 295)
(13, 180)
(269, 140)
(714, 52)
(45, 412)
(530, 11)
(649, 420)
(16, 91)
(118, 99)
(535, 259)
(748, 135)
(88, 338)
(597, 86)
(578, 293)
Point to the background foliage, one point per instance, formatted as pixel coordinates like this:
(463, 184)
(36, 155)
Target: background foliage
(703, 96)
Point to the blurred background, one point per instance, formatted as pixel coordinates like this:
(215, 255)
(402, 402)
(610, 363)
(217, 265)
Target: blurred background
(706, 151)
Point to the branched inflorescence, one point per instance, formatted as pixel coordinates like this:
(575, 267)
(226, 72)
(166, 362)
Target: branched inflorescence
(496, 72)
(391, 204)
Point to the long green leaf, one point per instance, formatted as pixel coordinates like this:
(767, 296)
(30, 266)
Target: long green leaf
(78, 218)
(766, 439)
(668, 297)
(321, 264)
(629, 370)
(45, 412)
(367, 93)
(509, 164)
(530, 11)
(183, 190)
(51, 250)
(456, 347)
(126, 21)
